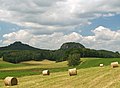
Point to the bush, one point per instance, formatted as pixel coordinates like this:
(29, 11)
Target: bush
(74, 59)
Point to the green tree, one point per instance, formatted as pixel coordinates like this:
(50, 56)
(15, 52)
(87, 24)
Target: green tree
(74, 59)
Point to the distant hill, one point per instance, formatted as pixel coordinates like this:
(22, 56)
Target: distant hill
(18, 46)
(71, 45)
(18, 52)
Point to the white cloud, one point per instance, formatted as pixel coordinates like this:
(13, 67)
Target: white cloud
(52, 41)
(56, 13)
(21, 35)
(103, 38)
(49, 23)
(102, 33)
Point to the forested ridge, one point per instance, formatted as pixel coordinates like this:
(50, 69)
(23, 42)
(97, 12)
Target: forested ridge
(18, 52)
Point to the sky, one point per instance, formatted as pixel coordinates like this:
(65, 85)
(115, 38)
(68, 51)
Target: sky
(47, 24)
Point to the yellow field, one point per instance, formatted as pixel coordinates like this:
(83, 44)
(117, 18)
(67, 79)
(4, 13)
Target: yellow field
(95, 77)
(38, 64)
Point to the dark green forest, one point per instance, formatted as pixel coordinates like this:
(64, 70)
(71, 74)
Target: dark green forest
(18, 52)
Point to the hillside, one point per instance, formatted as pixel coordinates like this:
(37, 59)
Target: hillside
(27, 68)
(19, 52)
(18, 46)
(71, 45)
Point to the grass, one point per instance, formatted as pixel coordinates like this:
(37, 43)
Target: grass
(4, 64)
(89, 74)
(95, 77)
(94, 62)
(35, 67)
(29, 68)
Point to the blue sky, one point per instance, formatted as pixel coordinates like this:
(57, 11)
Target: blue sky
(48, 24)
(7, 27)
(112, 22)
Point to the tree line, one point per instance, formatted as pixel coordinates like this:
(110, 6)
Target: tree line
(66, 51)
(18, 56)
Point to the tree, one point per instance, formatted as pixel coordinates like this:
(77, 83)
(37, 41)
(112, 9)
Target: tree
(74, 59)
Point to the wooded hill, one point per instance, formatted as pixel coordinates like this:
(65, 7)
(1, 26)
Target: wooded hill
(18, 52)
(18, 46)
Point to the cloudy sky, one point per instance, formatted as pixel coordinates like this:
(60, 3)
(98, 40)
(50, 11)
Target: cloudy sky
(47, 24)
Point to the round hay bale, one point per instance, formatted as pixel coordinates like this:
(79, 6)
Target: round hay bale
(10, 81)
(101, 65)
(114, 64)
(72, 71)
(46, 72)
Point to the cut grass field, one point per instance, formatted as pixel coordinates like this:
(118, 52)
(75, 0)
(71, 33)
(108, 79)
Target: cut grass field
(90, 75)
(94, 77)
